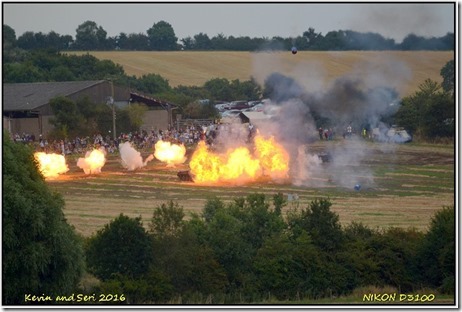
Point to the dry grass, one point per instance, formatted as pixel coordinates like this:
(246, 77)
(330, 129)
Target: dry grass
(403, 70)
(411, 184)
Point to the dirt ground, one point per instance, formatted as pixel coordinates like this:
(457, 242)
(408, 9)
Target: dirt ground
(408, 184)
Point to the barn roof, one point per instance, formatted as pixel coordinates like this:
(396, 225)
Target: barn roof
(30, 96)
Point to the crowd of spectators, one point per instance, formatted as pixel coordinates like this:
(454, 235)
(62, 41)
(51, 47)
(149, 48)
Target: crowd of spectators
(141, 140)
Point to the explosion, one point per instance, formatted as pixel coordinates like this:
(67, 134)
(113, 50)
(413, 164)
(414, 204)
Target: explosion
(51, 165)
(93, 161)
(238, 164)
(131, 158)
(172, 154)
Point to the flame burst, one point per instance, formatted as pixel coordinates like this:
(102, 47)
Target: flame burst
(93, 161)
(238, 164)
(172, 154)
(51, 165)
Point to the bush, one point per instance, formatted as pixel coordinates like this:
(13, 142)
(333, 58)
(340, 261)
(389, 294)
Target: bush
(41, 252)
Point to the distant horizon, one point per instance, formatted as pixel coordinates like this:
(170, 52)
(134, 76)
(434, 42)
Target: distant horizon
(255, 20)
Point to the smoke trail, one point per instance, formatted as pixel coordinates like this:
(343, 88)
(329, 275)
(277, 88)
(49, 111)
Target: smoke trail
(130, 158)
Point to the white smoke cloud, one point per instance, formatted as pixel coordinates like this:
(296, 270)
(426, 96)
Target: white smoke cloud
(130, 158)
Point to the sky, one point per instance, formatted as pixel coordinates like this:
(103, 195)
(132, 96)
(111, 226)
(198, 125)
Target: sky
(265, 19)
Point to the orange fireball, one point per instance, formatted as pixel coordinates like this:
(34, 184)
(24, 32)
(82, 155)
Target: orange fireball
(238, 164)
(93, 161)
(51, 165)
(274, 158)
(170, 153)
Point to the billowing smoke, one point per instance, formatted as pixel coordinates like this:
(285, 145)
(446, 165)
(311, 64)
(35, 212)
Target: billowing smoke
(130, 158)
(360, 99)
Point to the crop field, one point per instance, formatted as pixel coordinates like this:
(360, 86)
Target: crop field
(410, 183)
(403, 70)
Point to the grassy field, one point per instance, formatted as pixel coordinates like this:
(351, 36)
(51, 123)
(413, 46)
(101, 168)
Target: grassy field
(403, 70)
(410, 183)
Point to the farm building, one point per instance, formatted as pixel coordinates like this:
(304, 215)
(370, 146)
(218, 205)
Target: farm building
(26, 107)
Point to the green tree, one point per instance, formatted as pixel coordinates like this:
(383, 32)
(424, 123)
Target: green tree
(90, 37)
(66, 115)
(41, 253)
(162, 37)
(122, 247)
(219, 89)
(447, 72)
(136, 112)
(153, 84)
(8, 37)
(320, 223)
(178, 254)
(429, 112)
(202, 42)
(289, 268)
(437, 259)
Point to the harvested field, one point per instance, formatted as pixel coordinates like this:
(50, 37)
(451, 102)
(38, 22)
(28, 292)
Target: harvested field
(411, 182)
(403, 70)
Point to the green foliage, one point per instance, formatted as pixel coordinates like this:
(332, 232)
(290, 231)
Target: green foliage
(162, 37)
(152, 287)
(320, 223)
(224, 90)
(429, 112)
(244, 251)
(121, 247)
(167, 220)
(66, 115)
(447, 72)
(41, 253)
(437, 251)
(90, 37)
(136, 112)
(152, 84)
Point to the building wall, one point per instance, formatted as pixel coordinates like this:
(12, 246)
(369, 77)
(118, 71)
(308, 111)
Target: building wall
(155, 120)
(23, 125)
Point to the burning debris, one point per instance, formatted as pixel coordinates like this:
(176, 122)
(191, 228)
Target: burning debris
(172, 154)
(51, 165)
(93, 161)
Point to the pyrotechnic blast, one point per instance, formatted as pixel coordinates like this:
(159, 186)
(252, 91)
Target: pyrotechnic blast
(51, 165)
(131, 159)
(172, 154)
(93, 161)
(239, 165)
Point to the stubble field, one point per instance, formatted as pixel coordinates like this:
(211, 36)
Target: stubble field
(410, 183)
(402, 70)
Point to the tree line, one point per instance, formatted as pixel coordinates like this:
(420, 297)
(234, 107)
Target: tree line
(161, 36)
(243, 251)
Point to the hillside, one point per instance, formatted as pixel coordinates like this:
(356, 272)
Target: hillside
(314, 70)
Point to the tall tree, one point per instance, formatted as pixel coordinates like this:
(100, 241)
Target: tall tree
(41, 253)
(447, 72)
(162, 37)
(122, 247)
(9, 37)
(89, 36)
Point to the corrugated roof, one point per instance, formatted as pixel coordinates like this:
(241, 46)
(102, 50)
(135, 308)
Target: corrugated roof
(30, 96)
